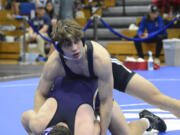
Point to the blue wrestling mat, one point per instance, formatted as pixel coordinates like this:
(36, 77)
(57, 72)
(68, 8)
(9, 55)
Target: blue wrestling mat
(18, 96)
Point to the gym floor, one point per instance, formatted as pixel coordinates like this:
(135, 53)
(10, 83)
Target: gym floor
(18, 85)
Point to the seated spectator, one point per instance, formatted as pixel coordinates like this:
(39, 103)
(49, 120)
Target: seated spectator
(49, 8)
(151, 22)
(41, 23)
(24, 7)
(78, 13)
(49, 11)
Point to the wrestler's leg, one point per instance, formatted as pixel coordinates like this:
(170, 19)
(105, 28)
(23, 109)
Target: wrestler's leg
(145, 90)
(119, 125)
(35, 123)
(96, 127)
(84, 121)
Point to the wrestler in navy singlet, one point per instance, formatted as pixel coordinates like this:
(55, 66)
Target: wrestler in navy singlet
(72, 91)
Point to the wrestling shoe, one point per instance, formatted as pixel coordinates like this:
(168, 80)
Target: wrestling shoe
(155, 122)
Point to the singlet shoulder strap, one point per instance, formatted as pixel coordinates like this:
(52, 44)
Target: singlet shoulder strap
(90, 58)
(67, 70)
(90, 62)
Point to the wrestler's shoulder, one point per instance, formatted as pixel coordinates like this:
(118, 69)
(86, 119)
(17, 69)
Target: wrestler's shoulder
(99, 51)
(98, 46)
(54, 63)
(101, 56)
(54, 59)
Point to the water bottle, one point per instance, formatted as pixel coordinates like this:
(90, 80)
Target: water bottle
(150, 61)
(32, 14)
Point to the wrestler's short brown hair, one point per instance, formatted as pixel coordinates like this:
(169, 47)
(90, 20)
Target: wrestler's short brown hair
(59, 130)
(66, 31)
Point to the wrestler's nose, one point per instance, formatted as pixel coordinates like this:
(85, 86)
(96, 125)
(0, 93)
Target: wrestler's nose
(74, 47)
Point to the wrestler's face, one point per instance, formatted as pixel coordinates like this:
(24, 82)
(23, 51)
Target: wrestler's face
(73, 49)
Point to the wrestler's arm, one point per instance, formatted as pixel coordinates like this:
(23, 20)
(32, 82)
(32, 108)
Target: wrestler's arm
(103, 70)
(50, 72)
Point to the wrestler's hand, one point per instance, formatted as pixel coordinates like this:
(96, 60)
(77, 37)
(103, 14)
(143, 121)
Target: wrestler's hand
(34, 36)
(53, 22)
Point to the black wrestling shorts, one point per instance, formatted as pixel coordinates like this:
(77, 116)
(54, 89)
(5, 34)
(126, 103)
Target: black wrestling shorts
(121, 74)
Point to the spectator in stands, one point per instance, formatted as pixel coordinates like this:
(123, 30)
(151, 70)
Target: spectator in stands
(22, 6)
(151, 22)
(78, 13)
(41, 22)
(49, 8)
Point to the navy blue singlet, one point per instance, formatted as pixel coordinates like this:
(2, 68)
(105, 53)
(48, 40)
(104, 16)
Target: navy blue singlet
(70, 94)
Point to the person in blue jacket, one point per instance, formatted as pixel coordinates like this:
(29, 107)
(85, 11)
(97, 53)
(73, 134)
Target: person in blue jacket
(151, 22)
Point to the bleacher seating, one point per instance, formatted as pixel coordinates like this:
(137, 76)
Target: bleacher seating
(3, 3)
(126, 48)
(121, 48)
(172, 33)
(10, 50)
(81, 21)
(104, 3)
